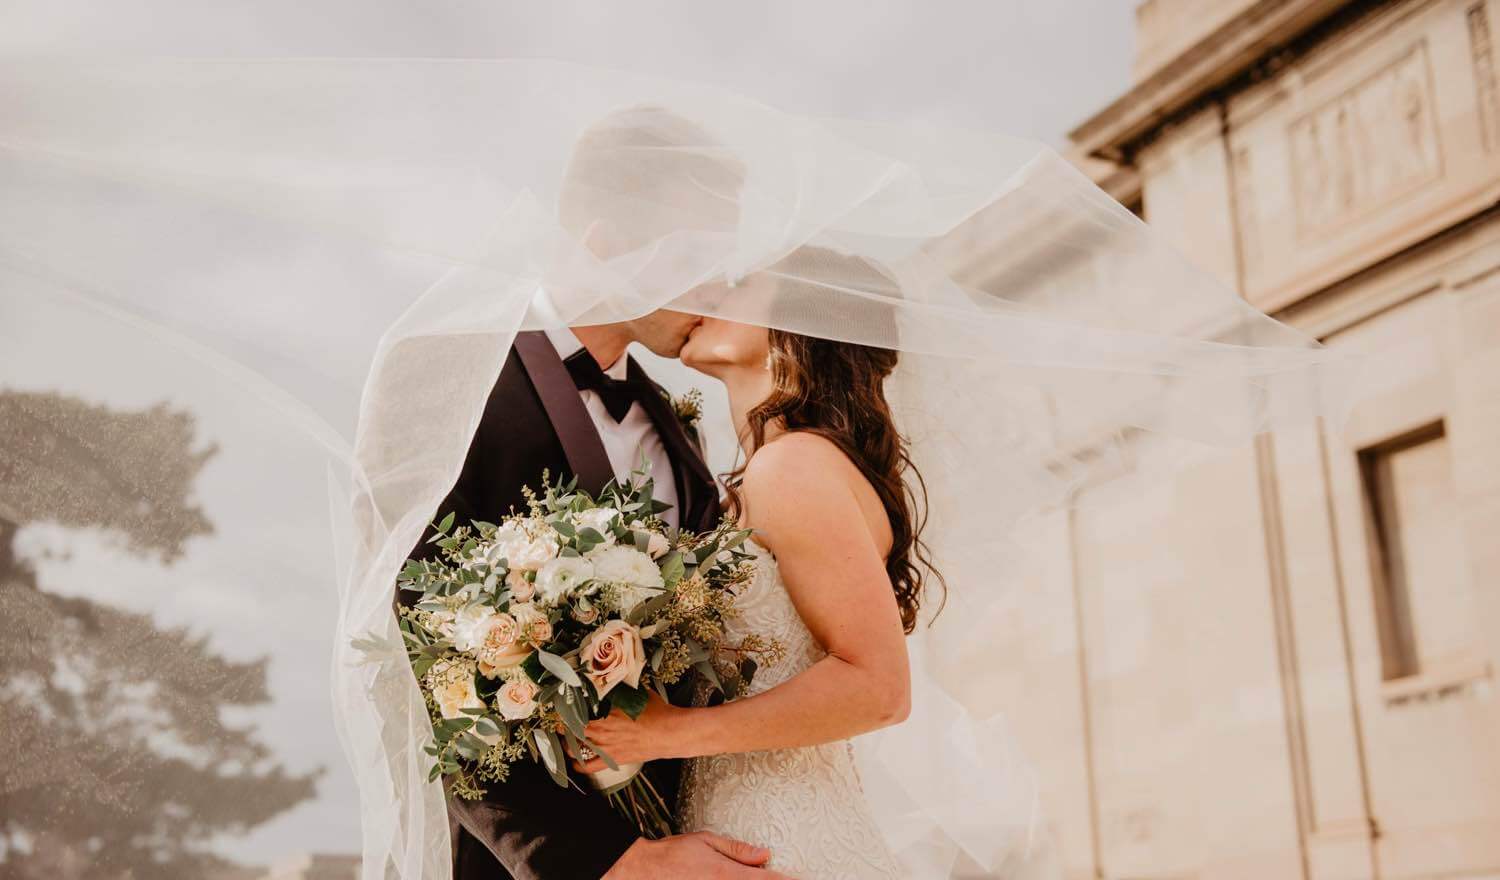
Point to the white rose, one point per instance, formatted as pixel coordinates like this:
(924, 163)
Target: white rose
(625, 565)
(516, 699)
(453, 688)
(658, 545)
(634, 571)
(561, 576)
(522, 551)
(599, 519)
(470, 626)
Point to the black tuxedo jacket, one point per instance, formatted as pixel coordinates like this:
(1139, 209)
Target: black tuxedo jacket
(527, 827)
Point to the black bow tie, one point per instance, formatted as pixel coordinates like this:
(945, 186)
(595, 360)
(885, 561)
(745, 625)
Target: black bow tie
(617, 394)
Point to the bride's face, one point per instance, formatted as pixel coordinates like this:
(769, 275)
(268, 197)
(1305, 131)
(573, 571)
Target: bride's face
(720, 344)
(717, 345)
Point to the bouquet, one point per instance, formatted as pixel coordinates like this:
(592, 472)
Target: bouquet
(527, 629)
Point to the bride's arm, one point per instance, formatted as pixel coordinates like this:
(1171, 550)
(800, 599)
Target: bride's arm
(800, 497)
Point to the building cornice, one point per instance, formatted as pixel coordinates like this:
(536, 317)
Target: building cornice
(1228, 53)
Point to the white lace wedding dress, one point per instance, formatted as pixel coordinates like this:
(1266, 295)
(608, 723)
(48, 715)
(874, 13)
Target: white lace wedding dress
(806, 805)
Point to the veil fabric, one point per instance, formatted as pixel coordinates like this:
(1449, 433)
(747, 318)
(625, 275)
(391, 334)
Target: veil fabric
(351, 245)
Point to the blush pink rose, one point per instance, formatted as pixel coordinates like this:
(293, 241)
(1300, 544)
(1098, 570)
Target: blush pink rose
(517, 699)
(611, 654)
(535, 627)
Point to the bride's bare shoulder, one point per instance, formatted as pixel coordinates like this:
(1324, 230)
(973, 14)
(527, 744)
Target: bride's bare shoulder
(795, 455)
(794, 469)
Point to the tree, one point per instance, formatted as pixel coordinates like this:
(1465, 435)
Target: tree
(115, 757)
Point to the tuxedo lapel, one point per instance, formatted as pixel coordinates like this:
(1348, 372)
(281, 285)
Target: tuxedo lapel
(566, 411)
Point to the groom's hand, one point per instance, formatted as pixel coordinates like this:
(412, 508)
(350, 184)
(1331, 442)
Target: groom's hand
(700, 854)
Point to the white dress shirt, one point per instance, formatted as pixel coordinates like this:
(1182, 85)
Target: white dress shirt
(628, 439)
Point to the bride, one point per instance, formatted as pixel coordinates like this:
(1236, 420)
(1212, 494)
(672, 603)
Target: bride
(840, 582)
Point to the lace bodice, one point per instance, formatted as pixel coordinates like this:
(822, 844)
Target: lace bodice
(806, 805)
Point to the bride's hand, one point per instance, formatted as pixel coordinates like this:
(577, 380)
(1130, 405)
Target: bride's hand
(648, 737)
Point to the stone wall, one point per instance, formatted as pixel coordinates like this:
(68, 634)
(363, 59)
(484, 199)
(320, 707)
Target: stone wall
(1282, 664)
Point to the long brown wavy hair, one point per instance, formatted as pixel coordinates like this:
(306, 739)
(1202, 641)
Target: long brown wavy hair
(837, 391)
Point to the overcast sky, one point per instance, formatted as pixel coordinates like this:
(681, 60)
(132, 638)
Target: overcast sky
(1031, 67)
(1027, 67)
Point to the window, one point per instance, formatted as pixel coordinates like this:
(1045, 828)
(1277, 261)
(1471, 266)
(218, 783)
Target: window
(1416, 552)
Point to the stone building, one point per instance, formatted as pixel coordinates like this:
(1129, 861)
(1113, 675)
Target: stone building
(1298, 679)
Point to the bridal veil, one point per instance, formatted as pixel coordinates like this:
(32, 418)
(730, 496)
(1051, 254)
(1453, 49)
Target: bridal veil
(339, 253)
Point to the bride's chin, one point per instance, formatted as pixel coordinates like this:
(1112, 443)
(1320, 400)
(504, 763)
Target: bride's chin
(699, 357)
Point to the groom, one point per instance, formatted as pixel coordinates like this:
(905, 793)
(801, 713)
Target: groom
(570, 401)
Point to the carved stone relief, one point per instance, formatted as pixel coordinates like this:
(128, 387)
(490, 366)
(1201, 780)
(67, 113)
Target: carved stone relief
(1362, 149)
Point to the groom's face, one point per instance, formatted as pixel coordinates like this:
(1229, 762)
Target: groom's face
(664, 331)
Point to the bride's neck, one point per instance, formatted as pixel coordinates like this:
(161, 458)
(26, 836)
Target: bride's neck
(747, 387)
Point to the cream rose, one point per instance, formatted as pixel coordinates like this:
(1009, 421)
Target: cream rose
(452, 685)
(561, 576)
(658, 545)
(611, 654)
(516, 699)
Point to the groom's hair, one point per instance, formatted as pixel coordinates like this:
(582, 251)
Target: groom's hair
(647, 172)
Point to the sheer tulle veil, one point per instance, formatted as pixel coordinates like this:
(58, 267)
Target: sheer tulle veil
(350, 246)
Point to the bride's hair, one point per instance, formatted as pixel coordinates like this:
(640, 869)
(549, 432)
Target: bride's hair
(837, 391)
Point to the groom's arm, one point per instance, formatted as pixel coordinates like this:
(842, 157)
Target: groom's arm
(541, 831)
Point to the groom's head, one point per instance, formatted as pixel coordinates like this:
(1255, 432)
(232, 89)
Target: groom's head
(646, 186)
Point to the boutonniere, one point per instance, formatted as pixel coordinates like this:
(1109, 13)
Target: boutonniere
(688, 408)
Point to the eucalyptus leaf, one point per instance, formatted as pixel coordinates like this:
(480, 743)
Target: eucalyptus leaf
(696, 651)
(641, 612)
(551, 750)
(672, 568)
(469, 746)
(571, 715)
(631, 701)
(706, 669)
(559, 667)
